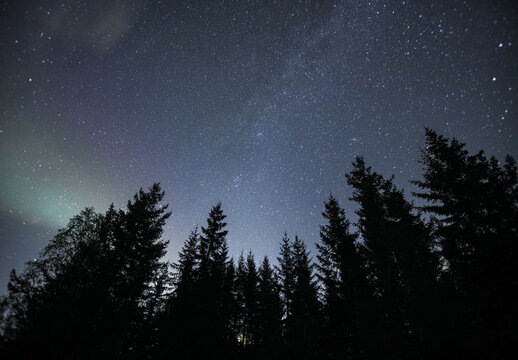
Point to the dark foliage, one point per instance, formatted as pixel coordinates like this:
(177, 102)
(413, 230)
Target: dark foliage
(269, 312)
(402, 267)
(346, 292)
(92, 291)
(434, 282)
(474, 203)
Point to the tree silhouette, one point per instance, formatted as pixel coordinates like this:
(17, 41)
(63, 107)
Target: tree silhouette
(394, 285)
(474, 201)
(91, 286)
(187, 265)
(303, 325)
(269, 312)
(345, 289)
(241, 315)
(287, 275)
(177, 323)
(398, 250)
(211, 303)
(247, 297)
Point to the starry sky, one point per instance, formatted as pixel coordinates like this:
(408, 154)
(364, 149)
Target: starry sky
(261, 105)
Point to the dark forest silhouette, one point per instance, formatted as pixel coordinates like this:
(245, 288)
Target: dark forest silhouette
(434, 282)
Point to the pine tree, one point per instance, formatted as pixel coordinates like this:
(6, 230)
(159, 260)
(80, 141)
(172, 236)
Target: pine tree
(213, 246)
(32, 323)
(215, 291)
(229, 306)
(247, 298)
(287, 275)
(139, 253)
(187, 266)
(177, 323)
(398, 250)
(198, 321)
(251, 299)
(474, 201)
(241, 321)
(345, 289)
(269, 312)
(303, 326)
(93, 282)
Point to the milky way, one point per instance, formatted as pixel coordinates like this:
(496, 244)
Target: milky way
(260, 105)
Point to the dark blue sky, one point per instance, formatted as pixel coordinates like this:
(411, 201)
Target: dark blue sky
(261, 105)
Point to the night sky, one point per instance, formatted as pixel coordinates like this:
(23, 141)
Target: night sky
(260, 105)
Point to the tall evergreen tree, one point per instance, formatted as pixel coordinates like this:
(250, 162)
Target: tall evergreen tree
(93, 282)
(252, 299)
(398, 249)
(241, 311)
(345, 289)
(229, 307)
(303, 326)
(247, 280)
(215, 329)
(286, 274)
(213, 244)
(37, 312)
(474, 201)
(187, 266)
(177, 323)
(138, 259)
(199, 320)
(269, 312)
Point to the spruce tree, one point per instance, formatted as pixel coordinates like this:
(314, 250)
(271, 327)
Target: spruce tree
(39, 308)
(177, 324)
(187, 266)
(241, 311)
(229, 306)
(215, 333)
(474, 202)
(247, 280)
(402, 266)
(96, 280)
(303, 326)
(287, 275)
(269, 312)
(345, 289)
(138, 251)
(252, 298)
(213, 245)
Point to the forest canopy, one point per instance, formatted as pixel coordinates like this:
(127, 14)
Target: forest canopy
(402, 282)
